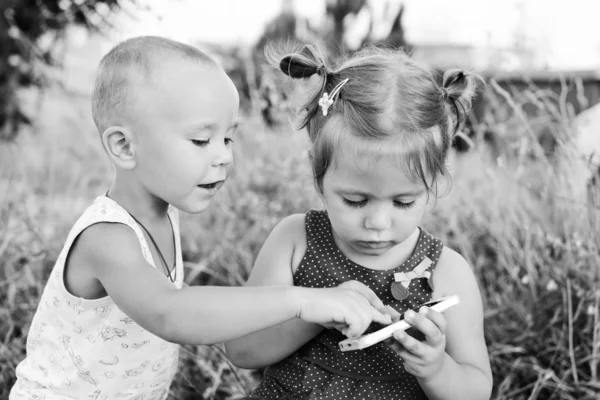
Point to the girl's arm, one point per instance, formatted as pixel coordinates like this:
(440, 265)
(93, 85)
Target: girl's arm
(462, 371)
(275, 265)
(204, 314)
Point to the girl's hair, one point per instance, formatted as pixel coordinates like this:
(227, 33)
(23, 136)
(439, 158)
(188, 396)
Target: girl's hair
(391, 104)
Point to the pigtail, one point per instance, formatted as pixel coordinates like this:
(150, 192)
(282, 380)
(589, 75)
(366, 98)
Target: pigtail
(459, 88)
(301, 63)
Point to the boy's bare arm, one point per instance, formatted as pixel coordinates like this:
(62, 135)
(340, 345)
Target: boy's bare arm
(203, 315)
(274, 266)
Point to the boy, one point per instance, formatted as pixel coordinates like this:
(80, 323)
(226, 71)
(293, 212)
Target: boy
(115, 306)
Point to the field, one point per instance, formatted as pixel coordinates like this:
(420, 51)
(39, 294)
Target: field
(521, 219)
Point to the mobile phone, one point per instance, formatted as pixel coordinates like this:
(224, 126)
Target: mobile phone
(364, 341)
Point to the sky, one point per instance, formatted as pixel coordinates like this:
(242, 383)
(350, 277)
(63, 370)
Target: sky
(561, 31)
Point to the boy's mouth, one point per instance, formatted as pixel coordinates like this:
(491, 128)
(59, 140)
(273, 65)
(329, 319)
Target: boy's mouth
(213, 185)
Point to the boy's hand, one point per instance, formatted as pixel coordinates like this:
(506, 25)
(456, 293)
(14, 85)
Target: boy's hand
(422, 359)
(350, 307)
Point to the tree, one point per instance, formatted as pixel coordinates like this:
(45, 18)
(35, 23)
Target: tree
(24, 25)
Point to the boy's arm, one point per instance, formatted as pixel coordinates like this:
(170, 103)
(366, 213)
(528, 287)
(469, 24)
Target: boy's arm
(275, 264)
(465, 373)
(203, 314)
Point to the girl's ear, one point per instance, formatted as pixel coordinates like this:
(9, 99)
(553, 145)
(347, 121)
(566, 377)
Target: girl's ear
(120, 145)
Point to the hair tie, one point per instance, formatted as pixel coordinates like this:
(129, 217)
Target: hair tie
(321, 70)
(445, 94)
(326, 101)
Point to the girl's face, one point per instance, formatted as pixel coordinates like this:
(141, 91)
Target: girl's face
(372, 204)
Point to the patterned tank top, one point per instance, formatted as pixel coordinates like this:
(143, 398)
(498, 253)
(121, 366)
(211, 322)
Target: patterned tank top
(319, 370)
(90, 349)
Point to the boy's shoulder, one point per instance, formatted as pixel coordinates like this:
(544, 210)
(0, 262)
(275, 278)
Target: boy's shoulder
(103, 223)
(103, 238)
(104, 209)
(104, 232)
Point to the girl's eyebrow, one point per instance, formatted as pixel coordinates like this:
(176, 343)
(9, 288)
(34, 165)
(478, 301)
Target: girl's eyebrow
(410, 193)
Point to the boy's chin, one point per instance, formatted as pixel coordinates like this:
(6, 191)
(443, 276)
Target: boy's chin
(195, 207)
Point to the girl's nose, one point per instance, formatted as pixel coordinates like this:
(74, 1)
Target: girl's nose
(378, 220)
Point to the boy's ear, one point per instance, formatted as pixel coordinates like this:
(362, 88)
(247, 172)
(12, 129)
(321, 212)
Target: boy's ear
(120, 145)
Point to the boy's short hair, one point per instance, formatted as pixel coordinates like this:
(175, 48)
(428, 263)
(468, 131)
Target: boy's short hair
(130, 64)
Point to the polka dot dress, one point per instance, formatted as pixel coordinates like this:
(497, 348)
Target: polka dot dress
(319, 370)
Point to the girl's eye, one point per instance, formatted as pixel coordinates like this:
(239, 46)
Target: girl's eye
(228, 141)
(354, 203)
(400, 204)
(200, 142)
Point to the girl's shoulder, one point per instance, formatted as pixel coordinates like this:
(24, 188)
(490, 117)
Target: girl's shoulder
(292, 231)
(291, 227)
(454, 275)
(281, 253)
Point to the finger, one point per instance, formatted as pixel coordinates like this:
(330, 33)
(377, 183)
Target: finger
(409, 358)
(410, 344)
(337, 326)
(436, 317)
(368, 312)
(357, 324)
(393, 344)
(377, 316)
(433, 336)
(369, 294)
(396, 316)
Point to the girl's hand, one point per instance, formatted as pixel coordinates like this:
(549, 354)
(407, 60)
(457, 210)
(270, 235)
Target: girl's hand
(350, 308)
(422, 359)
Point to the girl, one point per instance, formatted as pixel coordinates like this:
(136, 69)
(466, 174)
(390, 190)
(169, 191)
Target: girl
(115, 307)
(380, 126)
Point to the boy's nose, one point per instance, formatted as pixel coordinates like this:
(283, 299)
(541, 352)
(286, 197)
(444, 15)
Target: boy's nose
(223, 155)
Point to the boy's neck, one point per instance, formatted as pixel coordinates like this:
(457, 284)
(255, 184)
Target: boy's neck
(136, 199)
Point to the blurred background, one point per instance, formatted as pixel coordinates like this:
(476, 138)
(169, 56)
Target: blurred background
(523, 209)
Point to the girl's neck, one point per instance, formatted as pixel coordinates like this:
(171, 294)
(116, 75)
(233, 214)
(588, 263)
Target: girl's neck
(136, 199)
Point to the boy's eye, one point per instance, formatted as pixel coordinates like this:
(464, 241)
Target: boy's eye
(228, 140)
(200, 142)
(354, 203)
(400, 204)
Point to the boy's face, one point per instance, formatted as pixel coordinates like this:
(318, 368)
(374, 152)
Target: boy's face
(372, 205)
(186, 116)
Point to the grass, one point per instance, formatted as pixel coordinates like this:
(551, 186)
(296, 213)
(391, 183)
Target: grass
(530, 235)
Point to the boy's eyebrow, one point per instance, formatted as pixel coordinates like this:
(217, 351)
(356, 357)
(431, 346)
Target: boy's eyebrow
(200, 127)
(209, 126)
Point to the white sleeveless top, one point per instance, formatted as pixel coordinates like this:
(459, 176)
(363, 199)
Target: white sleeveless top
(89, 349)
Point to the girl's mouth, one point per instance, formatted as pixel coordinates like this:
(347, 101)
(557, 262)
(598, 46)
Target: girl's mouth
(375, 244)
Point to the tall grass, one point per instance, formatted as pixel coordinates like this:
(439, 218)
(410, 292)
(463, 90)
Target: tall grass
(517, 216)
